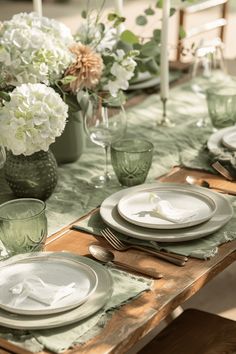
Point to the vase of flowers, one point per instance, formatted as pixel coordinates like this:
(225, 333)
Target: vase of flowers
(29, 122)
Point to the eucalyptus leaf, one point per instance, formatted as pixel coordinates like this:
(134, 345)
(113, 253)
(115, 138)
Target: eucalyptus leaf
(172, 11)
(150, 49)
(159, 4)
(152, 67)
(141, 20)
(129, 37)
(157, 35)
(182, 33)
(112, 16)
(149, 11)
(5, 96)
(84, 14)
(118, 21)
(124, 45)
(67, 79)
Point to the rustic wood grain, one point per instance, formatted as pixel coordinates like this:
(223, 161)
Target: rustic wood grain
(195, 332)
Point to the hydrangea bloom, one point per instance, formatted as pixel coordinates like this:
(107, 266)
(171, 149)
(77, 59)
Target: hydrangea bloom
(32, 119)
(34, 49)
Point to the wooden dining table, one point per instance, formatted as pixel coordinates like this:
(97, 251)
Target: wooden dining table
(134, 321)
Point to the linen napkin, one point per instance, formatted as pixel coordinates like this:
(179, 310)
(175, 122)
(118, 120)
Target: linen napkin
(202, 248)
(125, 288)
(35, 288)
(166, 210)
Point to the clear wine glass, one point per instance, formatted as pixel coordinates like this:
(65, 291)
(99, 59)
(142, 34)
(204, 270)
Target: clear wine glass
(105, 123)
(208, 69)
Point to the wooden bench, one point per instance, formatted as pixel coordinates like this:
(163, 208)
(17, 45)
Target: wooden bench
(195, 332)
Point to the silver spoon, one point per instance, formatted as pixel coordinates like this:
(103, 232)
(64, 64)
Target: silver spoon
(106, 256)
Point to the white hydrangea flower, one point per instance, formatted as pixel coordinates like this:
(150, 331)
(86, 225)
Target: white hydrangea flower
(34, 49)
(122, 71)
(32, 119)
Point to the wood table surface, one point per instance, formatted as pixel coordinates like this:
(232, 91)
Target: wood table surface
(136, 319)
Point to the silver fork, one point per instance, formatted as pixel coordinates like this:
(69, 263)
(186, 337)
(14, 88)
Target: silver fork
(222, 170)
(119, 245)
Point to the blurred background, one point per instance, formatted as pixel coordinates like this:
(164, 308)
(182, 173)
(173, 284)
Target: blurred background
(68, 11)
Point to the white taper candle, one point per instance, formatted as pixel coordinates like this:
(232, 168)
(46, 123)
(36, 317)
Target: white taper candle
(119, 7)
(37, 6)
(164, 67)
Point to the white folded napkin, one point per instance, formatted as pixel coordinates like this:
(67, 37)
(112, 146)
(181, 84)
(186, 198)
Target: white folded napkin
(166, 210)
(35, 288)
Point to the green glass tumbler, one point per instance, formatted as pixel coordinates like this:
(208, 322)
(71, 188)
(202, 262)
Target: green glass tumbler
(23, 225)
(221, 102)
(131, 160)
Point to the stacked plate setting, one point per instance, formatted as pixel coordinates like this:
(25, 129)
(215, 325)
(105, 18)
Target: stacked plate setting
(91, 282)
(130, 212)
(223, 139)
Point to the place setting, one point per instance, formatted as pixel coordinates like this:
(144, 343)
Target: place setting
(33, 296)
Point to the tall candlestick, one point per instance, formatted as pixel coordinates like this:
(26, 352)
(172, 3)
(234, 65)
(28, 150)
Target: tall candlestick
(119, 7)
(37, 6)
(164, 67)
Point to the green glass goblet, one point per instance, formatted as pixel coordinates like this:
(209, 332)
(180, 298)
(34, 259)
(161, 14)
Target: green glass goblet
(23, 226)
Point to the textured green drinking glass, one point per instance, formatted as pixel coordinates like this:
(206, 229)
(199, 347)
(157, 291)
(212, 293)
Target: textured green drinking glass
(131, 160)
(23, 225)
(221, 102)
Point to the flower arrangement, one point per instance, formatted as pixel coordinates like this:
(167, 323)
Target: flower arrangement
(33, 49)
(32, 119)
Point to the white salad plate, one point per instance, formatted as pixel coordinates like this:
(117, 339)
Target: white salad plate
(137, 207)
(94, 303)
(111, 217)
(55, 272)
(214, 142)
(229, 139)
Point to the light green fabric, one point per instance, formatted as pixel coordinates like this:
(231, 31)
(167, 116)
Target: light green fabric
(183, 144)
(126, 287)
(202, 248)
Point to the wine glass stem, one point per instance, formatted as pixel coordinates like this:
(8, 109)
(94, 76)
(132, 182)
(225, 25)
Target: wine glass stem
(106, 174)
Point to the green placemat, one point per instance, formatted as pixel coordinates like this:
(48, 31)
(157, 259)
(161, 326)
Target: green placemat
(126, 287)
(202, 248)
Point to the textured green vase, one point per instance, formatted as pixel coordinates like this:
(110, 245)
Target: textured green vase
(33, 176)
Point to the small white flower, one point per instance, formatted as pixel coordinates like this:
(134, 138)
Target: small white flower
(32, 119)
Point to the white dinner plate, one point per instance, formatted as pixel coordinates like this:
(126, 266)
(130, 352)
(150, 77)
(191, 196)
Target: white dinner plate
(214, 142)
(136, 207)
(57, 272)
(95, 302)
(111, 217)
(229, 139)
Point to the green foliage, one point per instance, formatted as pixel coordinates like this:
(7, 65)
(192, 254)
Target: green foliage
(159, 4)
(84, 14)
(149, 11)
(141, 20)
(182, 33)
(129, 37)
(67, 79)
(5, 96)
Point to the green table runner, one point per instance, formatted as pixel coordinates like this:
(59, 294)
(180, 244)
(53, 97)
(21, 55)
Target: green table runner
(183, 144)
